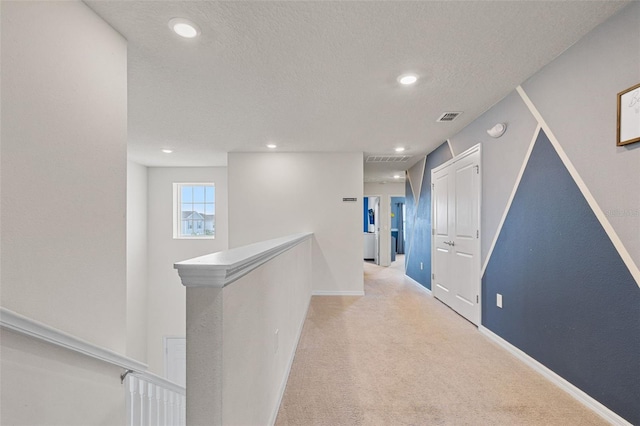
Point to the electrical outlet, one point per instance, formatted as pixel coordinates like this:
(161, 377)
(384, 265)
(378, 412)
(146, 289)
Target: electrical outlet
(498, 300)
(276, 342)
(421, 266)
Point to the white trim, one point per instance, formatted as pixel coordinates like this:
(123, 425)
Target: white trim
(177, 211)
(608, 228)
(338, 293)
(32, 328)
(160, 382)
(472, 150)
(511, 197)
(416, 196)
(417, 284)
(165, 353)
(557, 380)
(415, 211)
(220, 269)
(285, 379)
(477, 148)
(424, 169)
(451, 148)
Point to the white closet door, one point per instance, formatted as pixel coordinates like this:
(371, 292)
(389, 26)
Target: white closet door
(176, 359)
(456, 234)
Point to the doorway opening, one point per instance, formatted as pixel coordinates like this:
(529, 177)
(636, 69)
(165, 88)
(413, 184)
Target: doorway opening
(398, 223)
(371, 228)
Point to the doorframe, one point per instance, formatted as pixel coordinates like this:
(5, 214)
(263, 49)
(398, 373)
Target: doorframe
(377, 224)
(165, 351)
(476, 148)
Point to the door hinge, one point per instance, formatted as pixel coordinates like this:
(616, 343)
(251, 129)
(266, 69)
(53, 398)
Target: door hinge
(433, 231)
(477, 169)
(477, 233)
(477, 299)
(433, 276)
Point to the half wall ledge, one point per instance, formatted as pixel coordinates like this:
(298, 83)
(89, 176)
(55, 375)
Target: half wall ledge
(220, 269)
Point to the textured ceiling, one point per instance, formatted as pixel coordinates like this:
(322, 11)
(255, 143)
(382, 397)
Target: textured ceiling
(321, 76)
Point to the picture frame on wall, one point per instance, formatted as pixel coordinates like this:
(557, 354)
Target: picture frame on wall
(629, 116)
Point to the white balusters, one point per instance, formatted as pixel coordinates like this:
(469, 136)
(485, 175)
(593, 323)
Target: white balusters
(142, 405)
(151, 389)
(132, 400)
(165, 407)
(154, 401)
(159, 394)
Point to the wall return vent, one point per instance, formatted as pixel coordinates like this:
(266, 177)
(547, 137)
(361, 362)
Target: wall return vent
(448, 116)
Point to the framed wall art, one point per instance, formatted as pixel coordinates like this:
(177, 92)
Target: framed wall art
(629, 116)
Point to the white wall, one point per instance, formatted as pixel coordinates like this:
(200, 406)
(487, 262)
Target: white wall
(385, 192)
(166, 295)
(584, 121)
(136, 261)
(64, 135)
(502, 158)
(44, 384)
(273, 297)
(277, 194)
(237, 366)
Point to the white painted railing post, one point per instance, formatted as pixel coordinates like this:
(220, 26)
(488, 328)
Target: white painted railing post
(165, 407)
(131, 398)
(183, 410)
(204, 356)
(150, 391)
(141, 408)
(206, 278)
(159, 393)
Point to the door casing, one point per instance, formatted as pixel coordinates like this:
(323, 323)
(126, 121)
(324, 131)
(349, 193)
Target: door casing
(472, 152)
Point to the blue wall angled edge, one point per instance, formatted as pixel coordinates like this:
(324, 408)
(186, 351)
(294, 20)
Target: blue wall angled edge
(569, 301)
(420, 249)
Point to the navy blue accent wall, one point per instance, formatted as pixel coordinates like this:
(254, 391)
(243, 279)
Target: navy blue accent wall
(569, 301)
(421, 226)
(396, 210)
(365, 217)
(410, 208)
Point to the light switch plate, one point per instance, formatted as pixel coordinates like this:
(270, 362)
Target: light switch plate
(499, 300)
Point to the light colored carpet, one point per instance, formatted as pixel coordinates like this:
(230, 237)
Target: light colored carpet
(400, 357)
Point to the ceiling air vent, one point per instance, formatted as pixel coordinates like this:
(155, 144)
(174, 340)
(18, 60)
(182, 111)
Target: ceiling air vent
(387, 158)
(448, 116)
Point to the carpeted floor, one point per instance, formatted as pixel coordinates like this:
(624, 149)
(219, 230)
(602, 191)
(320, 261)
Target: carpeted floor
(400, 357)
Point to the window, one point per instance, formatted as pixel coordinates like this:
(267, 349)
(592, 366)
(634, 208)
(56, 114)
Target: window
(194, 206)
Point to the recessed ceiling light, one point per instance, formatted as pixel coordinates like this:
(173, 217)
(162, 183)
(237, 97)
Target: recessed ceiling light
(396, 176)
(400, 149)
(407, 79)
(184, 27)
(272, 146)
(167, 151)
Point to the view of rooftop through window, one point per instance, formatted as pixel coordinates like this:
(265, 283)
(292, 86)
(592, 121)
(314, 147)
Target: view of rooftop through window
(196, 210)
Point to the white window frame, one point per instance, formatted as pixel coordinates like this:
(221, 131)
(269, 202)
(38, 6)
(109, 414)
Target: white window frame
(177, 211)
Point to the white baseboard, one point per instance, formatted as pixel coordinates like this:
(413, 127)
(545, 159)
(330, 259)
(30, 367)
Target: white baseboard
(337, 293)
(563, 384)
(285, 379)
(417, 284)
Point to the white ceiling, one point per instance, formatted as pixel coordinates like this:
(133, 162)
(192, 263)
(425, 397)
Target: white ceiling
(321, 76)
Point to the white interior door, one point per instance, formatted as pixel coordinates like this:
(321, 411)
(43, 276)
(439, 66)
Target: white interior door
(456, 233)
(175, 352)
